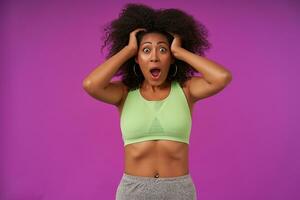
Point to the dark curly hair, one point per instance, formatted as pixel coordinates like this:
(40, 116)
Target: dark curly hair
(116, 36)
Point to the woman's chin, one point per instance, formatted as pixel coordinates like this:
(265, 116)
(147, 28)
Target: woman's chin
(157, 82)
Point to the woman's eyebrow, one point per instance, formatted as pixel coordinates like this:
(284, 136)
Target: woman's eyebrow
(156, 43)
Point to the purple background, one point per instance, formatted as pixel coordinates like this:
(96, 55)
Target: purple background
(59, 143)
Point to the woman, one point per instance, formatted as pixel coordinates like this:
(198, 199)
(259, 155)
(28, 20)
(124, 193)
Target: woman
(155, 52)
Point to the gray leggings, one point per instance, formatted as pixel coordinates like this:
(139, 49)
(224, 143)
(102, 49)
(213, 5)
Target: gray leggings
(151, 188)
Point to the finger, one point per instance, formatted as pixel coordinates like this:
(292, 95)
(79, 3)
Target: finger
(171, 33)
(134, 32)
(139, 29)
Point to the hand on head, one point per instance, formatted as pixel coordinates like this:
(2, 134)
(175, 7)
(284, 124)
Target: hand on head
(132, 44)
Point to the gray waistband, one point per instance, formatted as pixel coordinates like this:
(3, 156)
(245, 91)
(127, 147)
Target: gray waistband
(147, 178)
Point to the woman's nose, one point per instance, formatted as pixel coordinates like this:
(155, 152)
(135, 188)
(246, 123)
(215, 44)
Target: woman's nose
(154, 56)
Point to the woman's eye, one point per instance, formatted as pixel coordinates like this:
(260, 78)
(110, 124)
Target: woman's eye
(163, 49)
(146, 50)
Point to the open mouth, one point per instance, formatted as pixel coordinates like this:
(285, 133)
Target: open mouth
(155, 72)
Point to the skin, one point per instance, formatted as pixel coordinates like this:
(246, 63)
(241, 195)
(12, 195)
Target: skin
(157, 158)
(154, 50)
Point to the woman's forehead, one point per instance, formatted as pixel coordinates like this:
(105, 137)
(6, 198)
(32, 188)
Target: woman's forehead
(154, 38)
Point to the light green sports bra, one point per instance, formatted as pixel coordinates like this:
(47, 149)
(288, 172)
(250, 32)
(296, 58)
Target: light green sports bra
(167, 119)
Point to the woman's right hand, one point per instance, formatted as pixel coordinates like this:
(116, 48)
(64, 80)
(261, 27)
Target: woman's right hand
(132, 44)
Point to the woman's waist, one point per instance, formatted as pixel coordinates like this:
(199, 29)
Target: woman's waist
(161, 171)
(151, 166)
(157, 160)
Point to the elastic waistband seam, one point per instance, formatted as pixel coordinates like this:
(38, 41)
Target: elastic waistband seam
(146, 178)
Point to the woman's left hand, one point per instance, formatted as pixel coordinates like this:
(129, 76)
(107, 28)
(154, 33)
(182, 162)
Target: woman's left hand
(176, 44)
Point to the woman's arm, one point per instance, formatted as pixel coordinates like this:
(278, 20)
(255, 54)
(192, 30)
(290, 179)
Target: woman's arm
(212, 72)
(100, 77)
(215, 77)
(98, 83)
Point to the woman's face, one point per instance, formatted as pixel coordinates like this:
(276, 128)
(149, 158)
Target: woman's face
(154, 55)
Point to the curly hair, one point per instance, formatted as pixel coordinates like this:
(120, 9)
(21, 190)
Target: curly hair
(116, 36)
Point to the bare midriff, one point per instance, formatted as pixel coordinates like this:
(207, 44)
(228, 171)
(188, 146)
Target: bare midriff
(157, 158)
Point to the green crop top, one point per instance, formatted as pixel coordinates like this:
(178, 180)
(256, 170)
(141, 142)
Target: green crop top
(167, 119)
